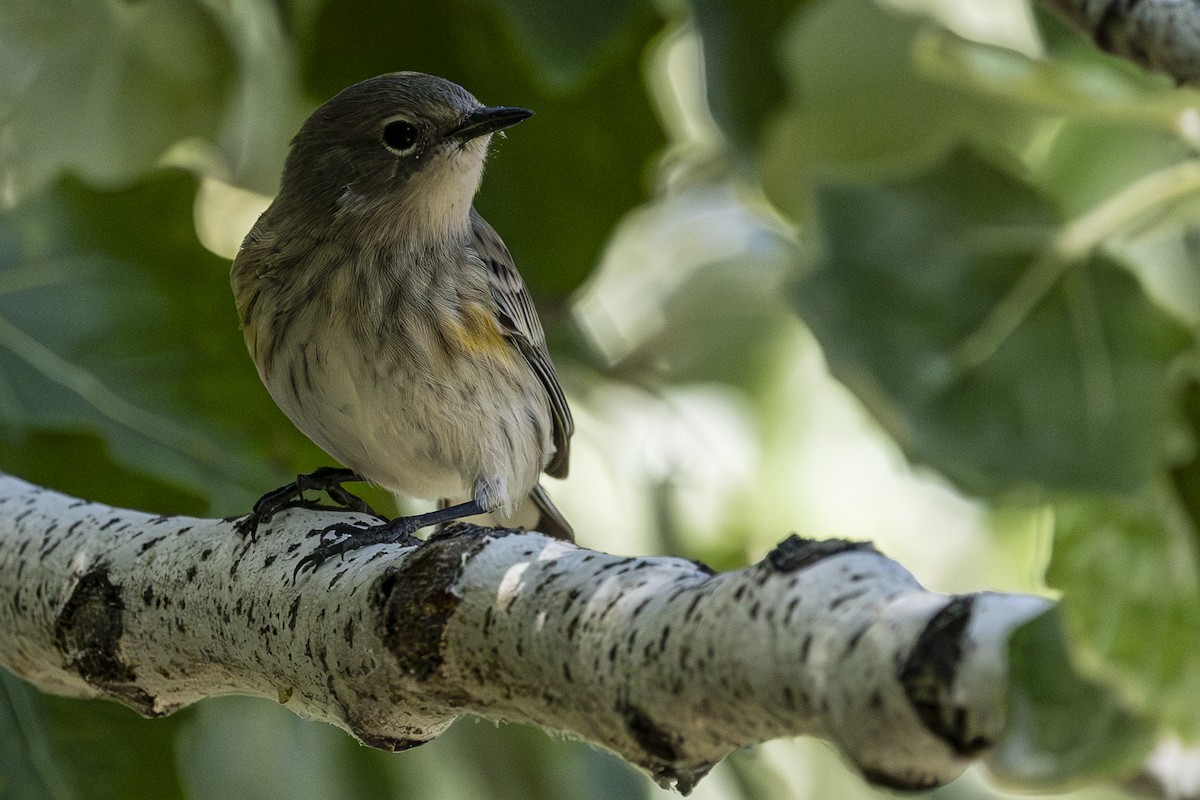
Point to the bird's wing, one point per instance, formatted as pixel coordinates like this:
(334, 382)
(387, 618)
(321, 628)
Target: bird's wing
(525, 331)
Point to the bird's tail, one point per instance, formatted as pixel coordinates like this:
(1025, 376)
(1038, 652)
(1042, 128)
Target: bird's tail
(536, 513)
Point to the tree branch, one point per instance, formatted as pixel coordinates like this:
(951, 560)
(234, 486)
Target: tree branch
(1161, 35)
(667, 664)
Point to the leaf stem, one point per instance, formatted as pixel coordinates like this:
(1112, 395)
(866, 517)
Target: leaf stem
(1075, 242)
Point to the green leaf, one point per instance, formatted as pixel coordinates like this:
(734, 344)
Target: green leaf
(1130, 572)
(1061, 725)
(81, 464)
(859, 98)
(114, 320)
(1185, 476)
(104, 91)
(266, 107)
(1079, 181)
(56, 748)
(743, 91)
(941, 303)
(566, 38)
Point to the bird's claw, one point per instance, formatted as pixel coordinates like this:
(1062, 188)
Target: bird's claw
(291, 495)
(348, 537)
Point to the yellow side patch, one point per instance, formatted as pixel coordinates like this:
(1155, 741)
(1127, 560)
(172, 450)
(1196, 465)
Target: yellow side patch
(476, 333)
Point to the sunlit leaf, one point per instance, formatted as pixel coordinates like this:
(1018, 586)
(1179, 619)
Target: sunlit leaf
(860, 100)
(1130, 572)
(266, 107)
(105, 89)
(1077, 180)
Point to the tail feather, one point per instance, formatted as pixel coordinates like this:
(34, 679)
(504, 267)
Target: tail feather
(550, 520)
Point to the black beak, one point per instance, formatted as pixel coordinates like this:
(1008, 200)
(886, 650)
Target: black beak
(488, 119)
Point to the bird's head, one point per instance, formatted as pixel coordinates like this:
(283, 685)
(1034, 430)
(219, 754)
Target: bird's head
(405, 148)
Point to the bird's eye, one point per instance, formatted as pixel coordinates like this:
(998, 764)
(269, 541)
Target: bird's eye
(400, 136)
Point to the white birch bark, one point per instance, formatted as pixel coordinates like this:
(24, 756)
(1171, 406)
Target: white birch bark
(658, 659)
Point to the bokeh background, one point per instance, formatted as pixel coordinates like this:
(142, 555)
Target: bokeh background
(922, 272)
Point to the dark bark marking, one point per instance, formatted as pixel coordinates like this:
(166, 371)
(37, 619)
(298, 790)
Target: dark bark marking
(855, 638)
(795, 553)
(572, 596)
(845, 598)
(929, 672)
(658, 743)
(147, 545)
(293, 611)
(88, 633)
(791, 609)
(337, 578)
(51, 546)
(415, 602)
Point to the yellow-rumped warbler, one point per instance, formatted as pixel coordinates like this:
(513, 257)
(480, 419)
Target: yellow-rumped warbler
(388, 322)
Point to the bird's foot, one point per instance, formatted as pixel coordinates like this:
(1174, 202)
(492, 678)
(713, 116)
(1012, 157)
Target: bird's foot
(291, 495)
(344, 537)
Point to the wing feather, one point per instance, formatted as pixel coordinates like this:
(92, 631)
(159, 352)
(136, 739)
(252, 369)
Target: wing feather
(525, 331)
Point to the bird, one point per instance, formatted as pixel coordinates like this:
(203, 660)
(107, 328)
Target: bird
(389, 323)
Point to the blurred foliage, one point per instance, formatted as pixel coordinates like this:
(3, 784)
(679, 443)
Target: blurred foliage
(988, 227)
(1063, 727)
(160, 69)
(58, 748)
(91, 273)
(991, 354)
